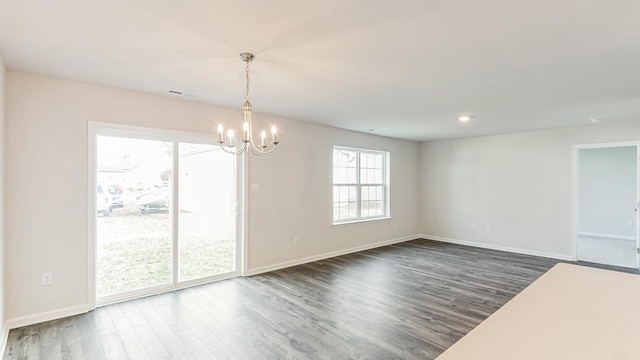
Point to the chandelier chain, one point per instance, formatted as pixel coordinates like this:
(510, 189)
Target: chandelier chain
(246, 95)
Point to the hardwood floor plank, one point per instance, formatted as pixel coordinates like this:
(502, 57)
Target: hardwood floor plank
(130, 340)
(162, 329)
(405, 301)
(179, 351)
(51, 340)
(71, 340)
(12, 349)
(151, 342)
(90, 339)
(29, 347)
(218, 347)
(111, 343)
(197, 348)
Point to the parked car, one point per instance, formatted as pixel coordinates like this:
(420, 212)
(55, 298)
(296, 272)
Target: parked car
(116, 195)
(117, 201)
(157, 199)
(115, 189)
(104, 201)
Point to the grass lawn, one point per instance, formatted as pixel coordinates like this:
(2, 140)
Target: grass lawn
(135, 250)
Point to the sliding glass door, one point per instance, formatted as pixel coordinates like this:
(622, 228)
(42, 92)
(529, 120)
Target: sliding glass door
(207, 218)
(166, 213)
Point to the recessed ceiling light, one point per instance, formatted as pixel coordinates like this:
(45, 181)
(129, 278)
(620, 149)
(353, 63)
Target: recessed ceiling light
(596, 120)
(372, 130)
(464, 118)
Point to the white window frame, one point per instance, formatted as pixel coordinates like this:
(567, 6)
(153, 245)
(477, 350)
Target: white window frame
(386, 156)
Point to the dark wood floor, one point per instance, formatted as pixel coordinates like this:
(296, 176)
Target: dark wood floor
(407, 301)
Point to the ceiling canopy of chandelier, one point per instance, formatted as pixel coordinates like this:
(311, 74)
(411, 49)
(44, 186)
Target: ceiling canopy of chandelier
(246, 143)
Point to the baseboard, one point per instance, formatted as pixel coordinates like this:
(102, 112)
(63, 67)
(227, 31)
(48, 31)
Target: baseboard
(499, 247)
(46, 316)
(608, 236)
(286, 264)
(5, 338)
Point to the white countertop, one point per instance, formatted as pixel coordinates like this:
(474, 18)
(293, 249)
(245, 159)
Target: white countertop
(570, 312)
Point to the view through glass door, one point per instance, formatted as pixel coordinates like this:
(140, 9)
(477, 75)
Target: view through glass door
(207, 220)
(165, 215)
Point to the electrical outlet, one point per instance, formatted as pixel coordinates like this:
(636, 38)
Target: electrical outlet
(488, 228)
(296, 240)
(629, 223)
(47, 279)
(474, 228)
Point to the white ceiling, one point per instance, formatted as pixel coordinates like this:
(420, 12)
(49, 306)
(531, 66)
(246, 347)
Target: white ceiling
(406, 68)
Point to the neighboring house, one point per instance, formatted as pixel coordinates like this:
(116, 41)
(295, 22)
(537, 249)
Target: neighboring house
(113, 174)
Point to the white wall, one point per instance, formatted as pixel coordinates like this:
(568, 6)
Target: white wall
(295, 197)
(607, 191)
(2, 208)
(519, 184)
(46, 185)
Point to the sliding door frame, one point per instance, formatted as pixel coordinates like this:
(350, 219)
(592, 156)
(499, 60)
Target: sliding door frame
(96, 129)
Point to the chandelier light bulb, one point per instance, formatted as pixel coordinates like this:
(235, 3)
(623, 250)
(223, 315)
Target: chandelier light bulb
(221, 131)
(245, 129)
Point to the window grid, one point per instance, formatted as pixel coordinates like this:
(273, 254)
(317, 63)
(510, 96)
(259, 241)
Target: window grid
(359, 184)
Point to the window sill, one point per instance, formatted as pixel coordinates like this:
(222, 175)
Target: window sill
(361, 221)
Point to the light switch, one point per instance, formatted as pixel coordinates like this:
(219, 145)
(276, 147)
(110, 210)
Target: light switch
(255, 188)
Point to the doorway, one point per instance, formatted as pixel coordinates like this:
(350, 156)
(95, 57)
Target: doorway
(607, 204)
(166, 212)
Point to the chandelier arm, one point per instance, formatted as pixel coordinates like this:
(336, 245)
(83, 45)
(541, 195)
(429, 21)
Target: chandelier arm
(263, 151)
(227, 149)
(255, 149)
(270, 150)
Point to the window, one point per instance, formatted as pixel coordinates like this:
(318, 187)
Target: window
(359, 184)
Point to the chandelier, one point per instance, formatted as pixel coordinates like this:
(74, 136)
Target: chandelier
(246, 143)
